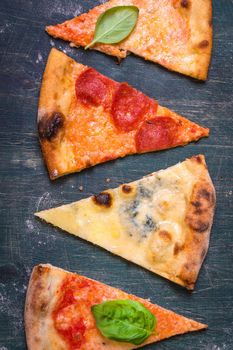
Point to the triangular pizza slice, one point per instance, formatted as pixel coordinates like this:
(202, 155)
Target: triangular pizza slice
(174, 33)
(59, 315)
(161, 222)
(85, 118)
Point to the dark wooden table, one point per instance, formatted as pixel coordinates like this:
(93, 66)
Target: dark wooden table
(25, 186)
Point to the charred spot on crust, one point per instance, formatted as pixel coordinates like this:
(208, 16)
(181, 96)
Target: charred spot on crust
(43, 307)
(204, 200)
(196, 204)
(204, 193)
(37, 339)
(103, 199)
(40, 269)
(189, 275)
(184, 3)
(200, 208)
(88, 164)
(203, 44)
(198, 159)
(165, 235)
(199, 226)
(49, 127)
(188, 284)
(178, 248)
(127, 188)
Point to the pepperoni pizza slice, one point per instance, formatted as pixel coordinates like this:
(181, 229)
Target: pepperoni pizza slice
(174, 33)
(85, 118)
(161, 222)
(59, 315)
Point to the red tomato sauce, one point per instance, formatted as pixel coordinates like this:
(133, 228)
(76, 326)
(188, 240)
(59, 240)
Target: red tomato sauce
(70, 325)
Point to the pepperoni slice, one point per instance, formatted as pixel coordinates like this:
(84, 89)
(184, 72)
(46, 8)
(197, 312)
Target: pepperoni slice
(156, 134)
(92, 88)
(129, 106)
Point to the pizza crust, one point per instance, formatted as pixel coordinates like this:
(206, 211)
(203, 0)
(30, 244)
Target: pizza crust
(40, 300)
(199, 218)
(56, 97)
(201, 36)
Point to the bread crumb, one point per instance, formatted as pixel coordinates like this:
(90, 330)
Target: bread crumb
(80, 188)
(108, 180)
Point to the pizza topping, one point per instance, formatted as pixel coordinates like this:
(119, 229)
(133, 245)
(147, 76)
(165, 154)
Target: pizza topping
(49, 127)
(124, 321)
(103, 199)
(129, 106)
(73, 334)
(115, 24)
(157, 134)
(165, 235)
(70, 325)
(92, 88)
(140, 222)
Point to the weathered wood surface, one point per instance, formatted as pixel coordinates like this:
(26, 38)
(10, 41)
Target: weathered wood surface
(25, 186)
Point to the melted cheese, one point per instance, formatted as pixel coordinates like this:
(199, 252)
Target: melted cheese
(142, 226)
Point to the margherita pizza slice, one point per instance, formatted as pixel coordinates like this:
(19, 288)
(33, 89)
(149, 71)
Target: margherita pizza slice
(174, 33)
(86, 118)
(161, 222)
(60, 315)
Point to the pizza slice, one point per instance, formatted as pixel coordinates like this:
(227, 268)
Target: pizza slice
(85, 118)
(161, 222)
(174, 33)
(67, 311)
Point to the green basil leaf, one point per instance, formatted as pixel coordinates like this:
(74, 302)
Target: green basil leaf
(114, 25)
(124, 321)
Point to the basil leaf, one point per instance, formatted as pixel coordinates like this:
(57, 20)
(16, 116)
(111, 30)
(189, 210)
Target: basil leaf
(114, 25)
(124, 321)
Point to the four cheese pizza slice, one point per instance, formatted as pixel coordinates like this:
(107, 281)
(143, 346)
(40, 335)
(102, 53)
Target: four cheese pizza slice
(59, 314)
(85, 118)
(161, 222)
(174, 33)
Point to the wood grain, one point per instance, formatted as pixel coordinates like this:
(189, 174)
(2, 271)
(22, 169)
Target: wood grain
(25, 186)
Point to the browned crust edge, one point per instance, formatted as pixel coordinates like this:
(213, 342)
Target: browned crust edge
(34, 300)
(51, 86)
(55, 99)
(199, 218)
(41, 294)
(53, 83)
(204, 25)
